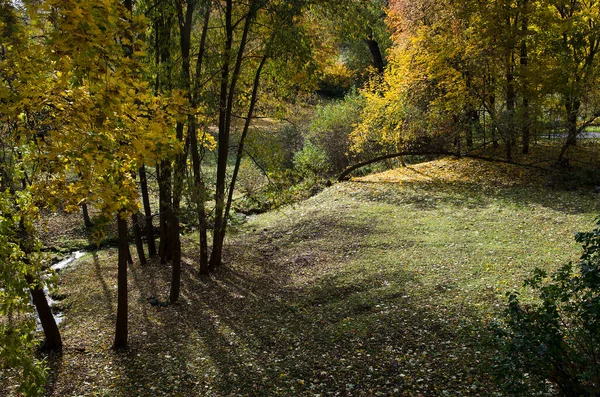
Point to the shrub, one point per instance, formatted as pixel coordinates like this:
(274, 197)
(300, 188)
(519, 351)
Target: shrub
(331, 127)
(250, 178)
(555, 342)
(311, 161)
(335, 80)
(290, 141)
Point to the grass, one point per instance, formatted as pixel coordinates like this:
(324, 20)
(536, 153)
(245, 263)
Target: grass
(384, 285)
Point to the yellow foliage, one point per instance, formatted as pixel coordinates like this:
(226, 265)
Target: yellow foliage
(74, 76)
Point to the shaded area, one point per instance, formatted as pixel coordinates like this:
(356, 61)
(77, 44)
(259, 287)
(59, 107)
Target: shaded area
(365, 289)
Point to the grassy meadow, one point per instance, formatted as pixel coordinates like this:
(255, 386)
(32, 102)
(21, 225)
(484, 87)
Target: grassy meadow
(384, 285)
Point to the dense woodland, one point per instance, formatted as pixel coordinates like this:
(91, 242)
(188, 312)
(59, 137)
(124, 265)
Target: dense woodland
(165, 125)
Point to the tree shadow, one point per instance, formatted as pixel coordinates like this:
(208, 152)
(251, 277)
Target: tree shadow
(434, 194)
(108, 294)
(254, 328)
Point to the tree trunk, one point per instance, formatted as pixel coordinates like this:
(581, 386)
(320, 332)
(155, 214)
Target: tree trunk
(121, 325)
(174, 240)
(200, 187)
(176, 270)
(473, 126)
(510, 107)
(345, 174)
(494, 138)
(185, 32)
(86, 216)
(199, 196)
(52, 337)
(225, 108)
(526, 126)
(137, 233)
(572, 108)
(378, 62)
(240, 151)
(164, 186)
(147, 212)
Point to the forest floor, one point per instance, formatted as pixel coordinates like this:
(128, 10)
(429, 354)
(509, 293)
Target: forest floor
(384, 285)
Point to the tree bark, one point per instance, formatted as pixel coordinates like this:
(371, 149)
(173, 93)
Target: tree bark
(225, 108)
(86, 216)
(137, 234)
(473, 126)
(199, 196)
(174, 240)
(200, 187)
(472, 115)
(164, 186)
(526, 126)
(53, 340)
(344, 175)
(510, 107)
(572, 108)
(122, 305)
(494, 138)
(378, 61)
(176, 270)
(240, 151)
(147, 212)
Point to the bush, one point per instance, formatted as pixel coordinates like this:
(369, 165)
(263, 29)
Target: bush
(311, 161)
(290, 140)
(555, 343)
(335, 80)
(331, 127)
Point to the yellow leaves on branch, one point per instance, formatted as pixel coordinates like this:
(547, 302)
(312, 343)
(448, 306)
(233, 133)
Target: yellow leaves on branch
(78, 72)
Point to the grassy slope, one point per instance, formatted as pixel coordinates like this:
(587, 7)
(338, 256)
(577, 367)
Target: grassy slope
(381, 286)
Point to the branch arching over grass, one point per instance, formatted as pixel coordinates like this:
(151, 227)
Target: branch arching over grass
(344, 175)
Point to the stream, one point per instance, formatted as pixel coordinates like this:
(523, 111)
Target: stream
(59, 267)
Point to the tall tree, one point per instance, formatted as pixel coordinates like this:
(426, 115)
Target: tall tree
(25, 76)
(247, 45)
(105, 122)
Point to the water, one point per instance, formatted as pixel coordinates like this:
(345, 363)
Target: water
(69, 261)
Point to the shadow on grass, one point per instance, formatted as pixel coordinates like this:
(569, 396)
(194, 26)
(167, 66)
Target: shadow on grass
(108, 295)
(254, 328)
(435, 194)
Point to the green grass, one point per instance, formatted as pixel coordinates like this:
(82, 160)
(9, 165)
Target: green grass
(364, 289)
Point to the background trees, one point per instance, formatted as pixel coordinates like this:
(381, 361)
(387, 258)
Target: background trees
(506, 61)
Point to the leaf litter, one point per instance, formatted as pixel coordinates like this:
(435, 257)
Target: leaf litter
(379, 286)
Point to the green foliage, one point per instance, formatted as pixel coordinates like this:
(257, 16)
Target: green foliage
(16, 333)
(311, 161)
(557, 338)
(331, 127)
(335, 80)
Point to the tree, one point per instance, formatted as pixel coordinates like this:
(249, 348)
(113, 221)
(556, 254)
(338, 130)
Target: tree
(264, 25)
(103, 122)
(24, 77)
(20, 274)
(358, 26)
(573, 42)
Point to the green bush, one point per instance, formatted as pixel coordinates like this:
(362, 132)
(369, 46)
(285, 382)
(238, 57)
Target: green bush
(311, 161)
(331, 127)
(554, 344)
